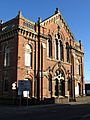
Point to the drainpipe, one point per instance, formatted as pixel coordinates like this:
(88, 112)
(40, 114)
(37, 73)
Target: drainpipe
(38, 73)
(35, 69)
(41, 71)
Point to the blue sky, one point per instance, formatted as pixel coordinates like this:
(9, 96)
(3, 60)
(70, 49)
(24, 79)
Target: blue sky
(75, 12)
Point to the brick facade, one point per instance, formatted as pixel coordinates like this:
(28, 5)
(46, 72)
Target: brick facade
(49, 76)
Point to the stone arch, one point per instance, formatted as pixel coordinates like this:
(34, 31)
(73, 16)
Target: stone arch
(58, 65)
(59, 82)
(58, 77)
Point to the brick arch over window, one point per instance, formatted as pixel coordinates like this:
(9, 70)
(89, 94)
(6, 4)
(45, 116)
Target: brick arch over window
(28, 55)
(57, 67)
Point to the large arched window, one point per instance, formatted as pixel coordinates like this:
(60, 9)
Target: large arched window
(6, 56)
(50, 47)
(67, 52)
(28, 55)
(56, 49)
(61, 51)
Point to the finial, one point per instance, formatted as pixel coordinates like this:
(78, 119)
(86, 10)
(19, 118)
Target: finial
(80, 43)
(57, 11)
(39, 20)
(1, 21)
(20, 13)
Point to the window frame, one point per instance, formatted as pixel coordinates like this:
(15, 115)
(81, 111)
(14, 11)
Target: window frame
(28, 55)
(6, 56)
(61, 51)
(49, 49)
(67, 53)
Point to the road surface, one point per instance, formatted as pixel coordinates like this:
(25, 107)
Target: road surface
(46, 112)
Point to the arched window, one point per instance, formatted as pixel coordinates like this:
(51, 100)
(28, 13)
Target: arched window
(56, 49)
(67, 52)
(6, 56)
(50, 47)
(61, 51)
(28, 55)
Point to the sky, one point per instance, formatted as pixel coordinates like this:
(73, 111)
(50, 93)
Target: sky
(75, 12)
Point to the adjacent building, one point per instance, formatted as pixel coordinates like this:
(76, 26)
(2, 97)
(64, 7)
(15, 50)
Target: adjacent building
(45, 53)
(87, 89)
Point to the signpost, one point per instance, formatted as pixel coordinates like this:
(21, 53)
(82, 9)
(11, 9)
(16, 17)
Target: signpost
(23, 85)
(14, 86)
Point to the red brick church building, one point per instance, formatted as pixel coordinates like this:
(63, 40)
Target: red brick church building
(46, 53)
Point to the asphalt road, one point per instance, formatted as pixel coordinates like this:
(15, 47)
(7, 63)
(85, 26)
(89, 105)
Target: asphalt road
(46, 112)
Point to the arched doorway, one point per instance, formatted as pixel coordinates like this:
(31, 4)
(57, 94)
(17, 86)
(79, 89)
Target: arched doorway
(62, 87)
(79, 88)
(59, 83)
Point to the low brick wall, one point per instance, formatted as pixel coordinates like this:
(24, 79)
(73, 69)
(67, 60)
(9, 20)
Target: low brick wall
(84, 99)
(61, 100)
(33, 101)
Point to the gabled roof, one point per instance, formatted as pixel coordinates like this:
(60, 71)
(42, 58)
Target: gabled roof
(57, 12)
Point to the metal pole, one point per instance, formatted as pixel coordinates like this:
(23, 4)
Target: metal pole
(20, 97)
(27, 99)
(13, 97)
